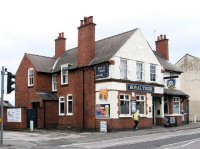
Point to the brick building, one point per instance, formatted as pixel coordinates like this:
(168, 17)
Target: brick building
(98, 80)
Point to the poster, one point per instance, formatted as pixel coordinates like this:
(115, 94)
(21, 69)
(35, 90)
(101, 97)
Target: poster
(103, 94)
(14, 115)
(103, 110)
(133, 107)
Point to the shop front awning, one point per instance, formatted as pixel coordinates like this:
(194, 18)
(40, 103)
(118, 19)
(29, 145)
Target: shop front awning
(174, 92)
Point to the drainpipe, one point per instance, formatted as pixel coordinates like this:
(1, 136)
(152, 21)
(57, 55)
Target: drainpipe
(44, 114)
(83, 76)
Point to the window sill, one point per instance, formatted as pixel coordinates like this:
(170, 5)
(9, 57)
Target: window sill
(54, 91)
(125, 116)
(69, 114)
(30, 86)
(61, 114)
(64, 84)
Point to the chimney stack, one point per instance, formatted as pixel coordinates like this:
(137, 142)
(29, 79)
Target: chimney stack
(162, 47)
(60, 45)
(86, 41)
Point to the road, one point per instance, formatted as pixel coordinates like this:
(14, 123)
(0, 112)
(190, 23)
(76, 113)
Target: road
(182, 139)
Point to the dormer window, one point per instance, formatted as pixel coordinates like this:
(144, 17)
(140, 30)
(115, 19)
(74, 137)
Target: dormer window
(64, 74)
(30, 77)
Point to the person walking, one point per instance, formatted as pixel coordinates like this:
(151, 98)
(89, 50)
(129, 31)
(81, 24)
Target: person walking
(136, 117)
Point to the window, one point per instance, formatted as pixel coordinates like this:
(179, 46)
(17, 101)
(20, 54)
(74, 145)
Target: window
(166, 106)
(125, 104)
(54, 82)
(176, 105)
(61, 106)
(69, 104)
(152, 72)
(141, 104)
(139, 70)
(64, 75)
(30, 77)
(123, 68)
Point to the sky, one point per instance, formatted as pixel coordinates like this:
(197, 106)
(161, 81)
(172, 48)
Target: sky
(31, 26)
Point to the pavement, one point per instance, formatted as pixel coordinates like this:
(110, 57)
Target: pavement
(53, 138)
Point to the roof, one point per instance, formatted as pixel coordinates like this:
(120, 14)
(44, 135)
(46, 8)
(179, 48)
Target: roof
(197, 58)
(166, 64)
(47, 96)
(105, 50)
(174, 92)
(41, 63)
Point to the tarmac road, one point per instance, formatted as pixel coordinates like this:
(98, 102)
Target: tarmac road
(157, 137)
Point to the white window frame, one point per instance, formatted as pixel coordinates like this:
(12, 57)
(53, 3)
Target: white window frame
(141, 100)
(30, 78)
(140, 70)
(70, 100)
(176, 100)
(63, 67)
(61, 100)
(152, 72)
(123, 68)
(54, 82)
(125, 100)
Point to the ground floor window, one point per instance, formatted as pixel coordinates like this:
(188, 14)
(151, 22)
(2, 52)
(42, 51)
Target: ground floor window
(125, 104)
(166, 106)
(61, 106)
(176, 105)
(69, 104)
(141, 104)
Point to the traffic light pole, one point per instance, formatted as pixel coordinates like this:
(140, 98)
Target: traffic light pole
(2, 92)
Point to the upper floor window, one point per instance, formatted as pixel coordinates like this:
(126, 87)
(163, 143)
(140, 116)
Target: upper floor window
(123, 68)
(176, 105)
(30, 77)
(125, 106)
(61, 106)
(54, 82)
(139, 70)
(153, 72)
(141, 104)
(64, 74)
(69, 104)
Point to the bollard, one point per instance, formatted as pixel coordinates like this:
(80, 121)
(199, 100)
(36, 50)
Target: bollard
(195, 118)
(31, 126)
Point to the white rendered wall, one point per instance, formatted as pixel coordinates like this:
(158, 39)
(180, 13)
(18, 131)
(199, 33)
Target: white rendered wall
(136, 49)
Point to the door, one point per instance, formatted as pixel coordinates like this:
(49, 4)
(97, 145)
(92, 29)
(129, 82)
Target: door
(32, 116)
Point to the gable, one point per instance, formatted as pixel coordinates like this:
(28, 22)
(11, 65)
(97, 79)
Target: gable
(136, 48)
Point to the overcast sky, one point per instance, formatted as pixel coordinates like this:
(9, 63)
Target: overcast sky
(30, 26)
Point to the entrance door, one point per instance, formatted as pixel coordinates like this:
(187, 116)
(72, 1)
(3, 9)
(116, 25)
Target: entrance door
(32, 116)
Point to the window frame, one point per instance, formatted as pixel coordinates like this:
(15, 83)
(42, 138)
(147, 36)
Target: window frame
(30, 79)
(70, 100)
(124, 99)
(139, 71)
(62, 75)
(166, 101)
(175, 101)
(61, 101)
(54, 82)
(152, 72)
(123, 68)
(144, 102)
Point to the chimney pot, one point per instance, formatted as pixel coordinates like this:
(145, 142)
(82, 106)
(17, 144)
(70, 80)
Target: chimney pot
(164, 36)
(85, 20)
(158, 38)
(62, 34)
(59, 35)
(161, 37)
(90, 19)
(81, 22)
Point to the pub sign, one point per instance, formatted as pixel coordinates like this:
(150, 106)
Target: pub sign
(140, 88)
(101, 71)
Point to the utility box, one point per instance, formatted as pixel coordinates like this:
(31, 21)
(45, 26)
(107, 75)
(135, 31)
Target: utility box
(103, 127)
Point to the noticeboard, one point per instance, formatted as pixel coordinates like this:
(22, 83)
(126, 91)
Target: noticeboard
(102, 71)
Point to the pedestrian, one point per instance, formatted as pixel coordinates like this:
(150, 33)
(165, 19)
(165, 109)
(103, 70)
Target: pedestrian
(136, 117)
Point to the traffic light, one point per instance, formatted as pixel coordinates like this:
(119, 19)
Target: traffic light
(10, 82)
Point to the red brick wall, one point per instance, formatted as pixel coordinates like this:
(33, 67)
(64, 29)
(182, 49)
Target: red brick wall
(60, 44)
(16, 125)
(124, 123)
(23, 93)
(43, 82)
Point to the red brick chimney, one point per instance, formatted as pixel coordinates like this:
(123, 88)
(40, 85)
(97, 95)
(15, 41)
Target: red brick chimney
(162, 47)
(60, 45)
(86, 41)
